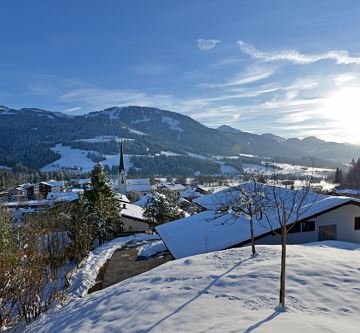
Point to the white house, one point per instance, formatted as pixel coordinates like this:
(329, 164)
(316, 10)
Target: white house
(132, 217)
(323, 218)
(138, 185)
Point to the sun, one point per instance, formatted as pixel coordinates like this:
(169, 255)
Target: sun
(343, 107)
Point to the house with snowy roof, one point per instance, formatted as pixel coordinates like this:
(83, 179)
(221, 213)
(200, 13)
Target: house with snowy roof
(322, 217)
(133, 219)
(51, 186)
(190, 194)
(173, 187)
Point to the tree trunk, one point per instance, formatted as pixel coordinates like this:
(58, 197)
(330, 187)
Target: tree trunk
(283, 261)
(252, 236)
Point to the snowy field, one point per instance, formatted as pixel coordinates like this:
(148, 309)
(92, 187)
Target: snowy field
(77, 159)
(285, 169)
(227, 291)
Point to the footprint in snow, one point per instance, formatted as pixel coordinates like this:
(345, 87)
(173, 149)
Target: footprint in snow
(322, 309)
(186, 288)
(155, 279)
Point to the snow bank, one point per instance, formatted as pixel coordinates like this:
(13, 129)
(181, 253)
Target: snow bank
(150, 249)
(85, 277)
(226, 291)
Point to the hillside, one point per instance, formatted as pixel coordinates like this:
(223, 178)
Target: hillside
(29, 136)
(226, 291)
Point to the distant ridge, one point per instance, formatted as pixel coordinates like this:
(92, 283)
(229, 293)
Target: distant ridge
(27, 134)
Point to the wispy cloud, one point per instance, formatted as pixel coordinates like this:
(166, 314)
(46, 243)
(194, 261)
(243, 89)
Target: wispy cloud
(344, 78)
(341, 57)
(206, 44)
(228, 61)
(251, 75)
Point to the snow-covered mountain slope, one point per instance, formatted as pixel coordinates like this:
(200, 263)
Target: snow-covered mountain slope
(227, 291)
(27, 136)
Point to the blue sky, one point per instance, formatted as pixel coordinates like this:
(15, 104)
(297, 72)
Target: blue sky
(287, 67)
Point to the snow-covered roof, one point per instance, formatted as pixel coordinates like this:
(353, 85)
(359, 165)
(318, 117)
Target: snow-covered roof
(138, 185)
(143, 200)
(210, 231)
(84, 181)
(348, 192)
(62, 196)
(190, 193)
(132, 211)
(30, 203)
(54, 183)
(122, 197)
(173, 186)
(78, 190)
(211, 189)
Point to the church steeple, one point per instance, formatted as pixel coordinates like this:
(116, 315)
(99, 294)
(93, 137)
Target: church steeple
(122, 172)
(121, 164)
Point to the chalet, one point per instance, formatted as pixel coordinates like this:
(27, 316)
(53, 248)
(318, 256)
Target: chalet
(323, 218)
(17, 193)
(52, 186)
(173, 187)
(190, 194)
(141, 186)
(132, 217)
(32, 191)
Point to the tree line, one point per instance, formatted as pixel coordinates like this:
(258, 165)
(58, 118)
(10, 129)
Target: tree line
(351, 178)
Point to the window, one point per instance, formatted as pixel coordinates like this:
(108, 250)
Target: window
(307, 226)
(357, 223)
(295, 228)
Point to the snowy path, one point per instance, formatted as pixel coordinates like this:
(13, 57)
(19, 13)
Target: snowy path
(85, 277)
(226, 292)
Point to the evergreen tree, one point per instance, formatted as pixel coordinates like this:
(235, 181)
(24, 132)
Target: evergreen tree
(102, 206)
(353, 176)
(339, 176)
(162, 208)
(81, 231)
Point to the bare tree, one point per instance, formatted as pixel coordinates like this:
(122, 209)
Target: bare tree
(8, 264)
(247, 199)
(284, 209)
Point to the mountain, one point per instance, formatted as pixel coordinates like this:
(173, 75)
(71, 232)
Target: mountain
(28, 136)
(276, 147)
(273, 137)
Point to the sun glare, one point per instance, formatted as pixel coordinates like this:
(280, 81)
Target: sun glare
(344, 108)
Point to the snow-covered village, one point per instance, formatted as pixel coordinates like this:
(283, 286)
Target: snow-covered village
(179, 166)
